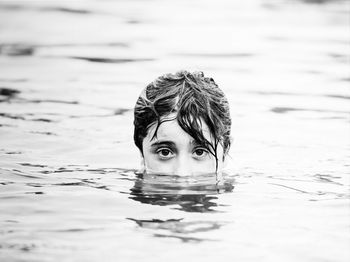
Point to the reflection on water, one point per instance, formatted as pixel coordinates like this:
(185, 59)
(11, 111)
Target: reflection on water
(178, 229)
(184, 193)
(198, 194)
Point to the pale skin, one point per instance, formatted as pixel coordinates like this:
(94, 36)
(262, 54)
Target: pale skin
(174, 152)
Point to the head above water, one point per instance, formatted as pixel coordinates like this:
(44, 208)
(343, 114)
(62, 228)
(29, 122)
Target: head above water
(182, 114)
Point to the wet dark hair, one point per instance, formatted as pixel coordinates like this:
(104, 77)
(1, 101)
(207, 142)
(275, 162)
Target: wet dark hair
(194, 98)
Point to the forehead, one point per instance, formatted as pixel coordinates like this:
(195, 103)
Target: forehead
(169, 129)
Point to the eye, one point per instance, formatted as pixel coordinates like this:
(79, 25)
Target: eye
(165, 153)
(200, 153)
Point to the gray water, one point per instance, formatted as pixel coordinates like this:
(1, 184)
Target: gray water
(70, 73)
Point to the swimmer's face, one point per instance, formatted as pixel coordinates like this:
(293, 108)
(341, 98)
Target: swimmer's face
(175, 152)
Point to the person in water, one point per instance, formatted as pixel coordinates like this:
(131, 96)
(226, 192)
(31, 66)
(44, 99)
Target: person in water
(182, 125)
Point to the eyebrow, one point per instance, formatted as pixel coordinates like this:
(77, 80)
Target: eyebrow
(171, 144)
(163, 143)
(195, 143)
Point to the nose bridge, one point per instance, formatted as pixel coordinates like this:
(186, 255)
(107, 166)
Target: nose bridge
(183, 165)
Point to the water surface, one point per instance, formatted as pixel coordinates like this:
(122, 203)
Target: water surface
(70, 75)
